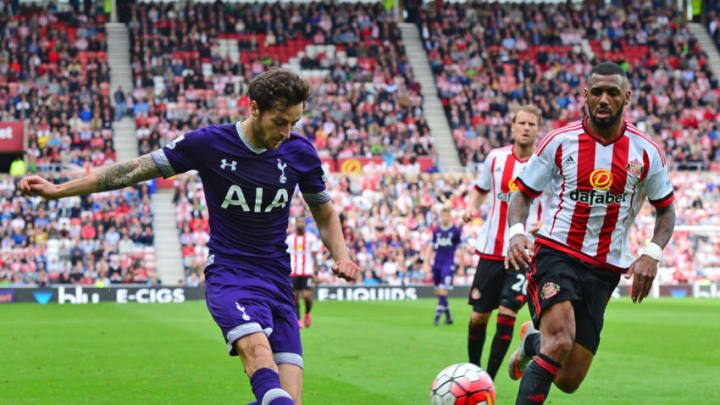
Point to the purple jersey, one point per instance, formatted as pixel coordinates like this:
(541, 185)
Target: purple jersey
(445, 241)
(248, 192)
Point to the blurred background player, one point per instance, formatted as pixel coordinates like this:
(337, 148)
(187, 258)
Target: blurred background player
(445, 240)
(249, 171)
(493, 285)
(303, 248)
(599, 169)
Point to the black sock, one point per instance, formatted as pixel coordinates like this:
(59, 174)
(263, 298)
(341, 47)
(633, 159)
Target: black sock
(476, 340)
(500, 343)
(297, 308)
(308, 305)
(536, 382)
(532, 344)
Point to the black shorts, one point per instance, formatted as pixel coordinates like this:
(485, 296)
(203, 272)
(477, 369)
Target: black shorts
(555, 277)
(302, 283)
(493, 286)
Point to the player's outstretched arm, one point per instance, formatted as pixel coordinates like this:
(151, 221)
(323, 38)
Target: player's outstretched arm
(111, 177)
(331, 235)
(644, 269)
(519, 247)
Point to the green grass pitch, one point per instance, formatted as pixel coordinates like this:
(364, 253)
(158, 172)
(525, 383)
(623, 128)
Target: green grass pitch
(660, 352)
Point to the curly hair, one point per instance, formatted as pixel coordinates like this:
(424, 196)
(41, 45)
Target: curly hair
(278, 89)
(607, 69)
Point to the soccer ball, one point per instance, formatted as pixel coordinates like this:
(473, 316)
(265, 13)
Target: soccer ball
(463, 384)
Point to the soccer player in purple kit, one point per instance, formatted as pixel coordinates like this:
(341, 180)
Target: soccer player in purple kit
(445, 239)
(249, 171)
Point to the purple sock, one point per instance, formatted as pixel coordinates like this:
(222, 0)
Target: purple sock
(442, 304)
(266, 387)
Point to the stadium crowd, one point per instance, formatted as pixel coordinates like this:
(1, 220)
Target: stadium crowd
(95, 240)
(388, 215)
(365, 101)
(488, 58)
(54, 77)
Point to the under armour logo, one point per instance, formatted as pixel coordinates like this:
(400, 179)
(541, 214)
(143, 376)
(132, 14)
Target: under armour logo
(282, 167)
(233, 165)
(241, 308)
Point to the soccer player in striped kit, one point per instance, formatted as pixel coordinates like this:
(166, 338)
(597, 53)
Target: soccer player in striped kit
(303, 247)
(599, 171)
(494, 286)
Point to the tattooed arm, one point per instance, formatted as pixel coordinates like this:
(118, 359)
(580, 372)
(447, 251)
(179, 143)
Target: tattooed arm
(519, 209)
(520, 246)
(664, 225)
(112, 177)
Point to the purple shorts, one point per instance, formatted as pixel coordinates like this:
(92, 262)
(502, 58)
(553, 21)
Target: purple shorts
(442, 277)
(242, 303)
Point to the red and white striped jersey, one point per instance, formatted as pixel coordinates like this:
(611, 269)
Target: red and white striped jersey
(597, 188)
(498, 174)
(302, 248)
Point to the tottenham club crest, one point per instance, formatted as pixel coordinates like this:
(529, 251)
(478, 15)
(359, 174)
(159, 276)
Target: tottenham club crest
(241, 308)
(282, 166)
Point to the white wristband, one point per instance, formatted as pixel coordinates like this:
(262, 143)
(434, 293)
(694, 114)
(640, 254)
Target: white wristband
(653, 251)
(517, 229)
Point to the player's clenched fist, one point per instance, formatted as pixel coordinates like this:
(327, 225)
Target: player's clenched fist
(518, 253)
(38, 186)
(469, 214)
(643, 271)
(347, 270)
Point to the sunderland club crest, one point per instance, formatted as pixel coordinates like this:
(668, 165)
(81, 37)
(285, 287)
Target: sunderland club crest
(549, 290)
(635, 167)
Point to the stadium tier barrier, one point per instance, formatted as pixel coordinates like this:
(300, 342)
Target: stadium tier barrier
(179, 294)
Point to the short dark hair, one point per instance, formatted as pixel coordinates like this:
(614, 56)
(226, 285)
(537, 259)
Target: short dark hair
(279, 89)
(607, 69)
